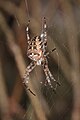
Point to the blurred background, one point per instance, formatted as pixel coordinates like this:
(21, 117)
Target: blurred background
(63, 21)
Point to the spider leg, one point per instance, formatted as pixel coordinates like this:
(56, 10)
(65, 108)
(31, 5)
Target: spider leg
(48, 79)
(44, 35)
(45, 68)
(26, 75)
(49, 75)
(45, 29)
(50, 51)
(27, 31)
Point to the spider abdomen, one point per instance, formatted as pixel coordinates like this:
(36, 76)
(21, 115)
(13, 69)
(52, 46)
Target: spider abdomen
(35, 51)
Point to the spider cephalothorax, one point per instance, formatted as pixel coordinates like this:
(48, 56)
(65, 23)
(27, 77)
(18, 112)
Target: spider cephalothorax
(36, 51)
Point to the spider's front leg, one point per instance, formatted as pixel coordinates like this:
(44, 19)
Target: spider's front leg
(26, 75)
(48, 74)
(44, 35)
(27, 32)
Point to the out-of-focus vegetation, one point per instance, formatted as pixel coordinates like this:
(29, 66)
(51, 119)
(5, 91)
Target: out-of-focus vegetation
(63, 20)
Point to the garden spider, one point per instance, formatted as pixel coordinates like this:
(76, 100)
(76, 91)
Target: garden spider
(36, 51)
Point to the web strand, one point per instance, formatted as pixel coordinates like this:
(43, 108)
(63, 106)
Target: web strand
(27, 9)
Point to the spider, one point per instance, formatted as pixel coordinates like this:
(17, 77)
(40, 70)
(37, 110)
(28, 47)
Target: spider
(36, 51)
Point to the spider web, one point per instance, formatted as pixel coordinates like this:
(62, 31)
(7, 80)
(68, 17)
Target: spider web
(59, 103)
(47, 93)
(57, 106)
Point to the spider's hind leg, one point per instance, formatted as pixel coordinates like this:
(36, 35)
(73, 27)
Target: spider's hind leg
(49, 76)
(26, 76)
(52, 78)
(48, 81)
